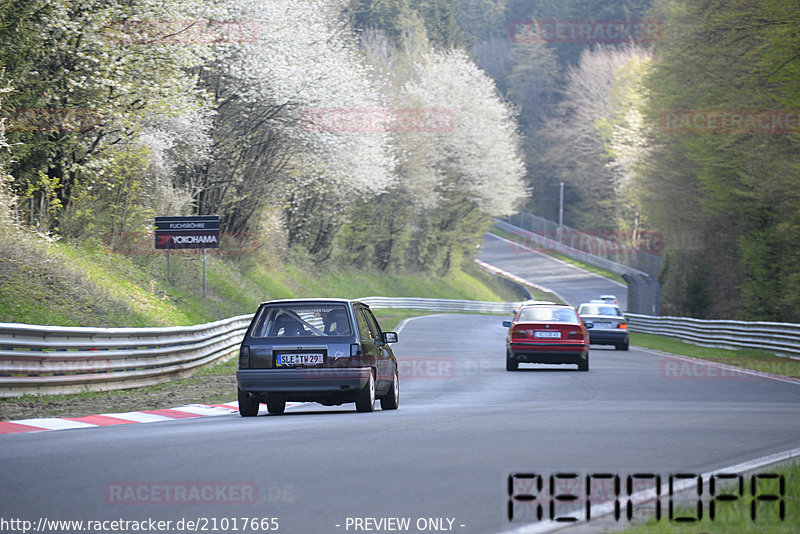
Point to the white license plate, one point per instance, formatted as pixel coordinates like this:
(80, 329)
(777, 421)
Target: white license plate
(549, 334)
(315, 358)
(602, 325)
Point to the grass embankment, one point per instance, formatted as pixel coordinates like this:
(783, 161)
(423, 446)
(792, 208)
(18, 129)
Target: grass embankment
(757, 360)
(736, 517)
(87, 285)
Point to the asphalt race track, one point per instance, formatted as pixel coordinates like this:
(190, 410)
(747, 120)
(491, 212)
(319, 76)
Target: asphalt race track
(571, 283)
(441, 461)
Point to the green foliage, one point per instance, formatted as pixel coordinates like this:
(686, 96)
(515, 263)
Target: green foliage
(80, 93)
(737, 189)
(406, 22)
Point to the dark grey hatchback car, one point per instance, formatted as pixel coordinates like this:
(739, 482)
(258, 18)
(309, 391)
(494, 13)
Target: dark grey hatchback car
(330, 351)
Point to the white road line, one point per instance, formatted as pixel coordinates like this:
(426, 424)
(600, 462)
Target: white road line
(537, 286)
(204, 410)
(54, 424)
(601, 510)
(534, 251)
(139, 417)
(404, 322)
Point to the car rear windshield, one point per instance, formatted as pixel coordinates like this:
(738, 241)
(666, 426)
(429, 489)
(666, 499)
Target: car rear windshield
(302, 320)
(592, 309)
(565, 315)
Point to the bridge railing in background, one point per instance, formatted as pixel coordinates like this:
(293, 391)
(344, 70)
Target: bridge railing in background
(646, 258)
(781, 338)
(643, 287)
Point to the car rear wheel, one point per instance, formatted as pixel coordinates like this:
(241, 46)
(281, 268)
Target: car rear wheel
(276, 406)
(247, 407)
(511, 364)
(365, 399)
(622, 346)
(584, 365)
(391, 400)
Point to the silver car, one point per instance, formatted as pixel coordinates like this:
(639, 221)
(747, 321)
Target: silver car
(606, 324)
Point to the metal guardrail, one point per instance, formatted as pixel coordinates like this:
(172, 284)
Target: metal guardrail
(781, 338)
(58, 359)
(443, 305)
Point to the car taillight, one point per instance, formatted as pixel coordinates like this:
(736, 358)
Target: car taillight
(624, 326)
(576, 334)
(518, 333)
(244, 357)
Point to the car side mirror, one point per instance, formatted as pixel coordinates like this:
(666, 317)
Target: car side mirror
(390, 337)
(507, 324)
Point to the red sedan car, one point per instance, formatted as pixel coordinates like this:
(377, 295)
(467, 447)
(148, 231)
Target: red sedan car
(547, 333)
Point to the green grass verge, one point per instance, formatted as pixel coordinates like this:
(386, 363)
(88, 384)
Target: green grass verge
(757, 360)
(735, 517)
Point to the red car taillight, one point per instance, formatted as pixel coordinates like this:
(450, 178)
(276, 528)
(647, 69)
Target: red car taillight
(576, 334)
(623, 326)
(517, 333)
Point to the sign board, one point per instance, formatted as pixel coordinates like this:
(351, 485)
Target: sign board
(201, 231)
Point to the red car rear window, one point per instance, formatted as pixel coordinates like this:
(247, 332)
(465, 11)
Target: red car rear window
(541, 314)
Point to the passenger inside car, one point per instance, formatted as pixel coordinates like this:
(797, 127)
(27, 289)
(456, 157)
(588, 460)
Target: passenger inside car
(286, 325)
(336, 323)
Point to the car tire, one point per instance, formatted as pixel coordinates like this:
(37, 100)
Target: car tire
(276, 406)
(511, 364)
(391, 400)
(365, 399)
(247, 407)
(584, 365)
(622, 346)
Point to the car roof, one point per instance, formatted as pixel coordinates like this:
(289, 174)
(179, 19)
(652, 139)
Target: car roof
(331, 300)
(544, 303)
(599, 303)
